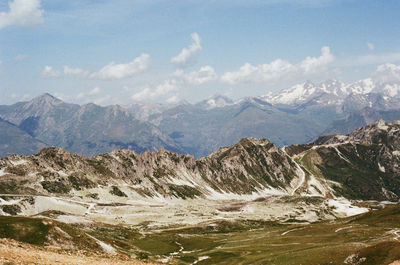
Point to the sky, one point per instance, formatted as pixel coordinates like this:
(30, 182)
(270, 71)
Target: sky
(127, 51)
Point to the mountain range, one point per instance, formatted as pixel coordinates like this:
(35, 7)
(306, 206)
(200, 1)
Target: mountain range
(296, 115)
(363, 165)
(337, 193)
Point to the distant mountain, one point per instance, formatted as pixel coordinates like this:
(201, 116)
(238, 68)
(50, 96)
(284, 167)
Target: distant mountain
(200, 131)
(142, 111)
(89, 129)
(13, 140)
(332, 92)
(293, 116)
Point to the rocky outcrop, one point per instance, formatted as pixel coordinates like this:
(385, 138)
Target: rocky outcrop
(362, 165)
(251, 167)
(365, 163)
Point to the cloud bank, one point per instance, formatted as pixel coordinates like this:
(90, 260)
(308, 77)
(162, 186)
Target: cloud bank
(205, 74)
(22, 13)
(119, 71)
(111, 71)
(280, 70)
(189, 54)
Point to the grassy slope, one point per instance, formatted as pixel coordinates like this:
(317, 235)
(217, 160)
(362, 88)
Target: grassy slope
(370, 236)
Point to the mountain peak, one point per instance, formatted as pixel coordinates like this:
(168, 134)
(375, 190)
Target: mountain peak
(46, 98)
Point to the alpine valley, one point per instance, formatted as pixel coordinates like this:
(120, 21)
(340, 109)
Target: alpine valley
(331, 201)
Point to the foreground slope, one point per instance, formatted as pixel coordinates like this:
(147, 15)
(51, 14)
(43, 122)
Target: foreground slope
(371, 238)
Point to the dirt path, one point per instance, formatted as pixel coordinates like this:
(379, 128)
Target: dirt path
(13, 252)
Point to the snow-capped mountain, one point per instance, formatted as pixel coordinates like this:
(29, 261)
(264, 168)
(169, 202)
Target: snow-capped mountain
(331, 92)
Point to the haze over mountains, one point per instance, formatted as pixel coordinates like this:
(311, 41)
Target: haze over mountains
(295, 115)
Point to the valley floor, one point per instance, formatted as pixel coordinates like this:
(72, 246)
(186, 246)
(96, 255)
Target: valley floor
(371, 238)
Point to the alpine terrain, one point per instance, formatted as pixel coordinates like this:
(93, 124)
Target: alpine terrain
(296, 115)
(172, 208)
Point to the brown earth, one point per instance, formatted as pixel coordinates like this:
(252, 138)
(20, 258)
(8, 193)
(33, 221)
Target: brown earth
(14, 252)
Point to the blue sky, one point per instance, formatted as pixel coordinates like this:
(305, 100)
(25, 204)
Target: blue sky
(124, 51)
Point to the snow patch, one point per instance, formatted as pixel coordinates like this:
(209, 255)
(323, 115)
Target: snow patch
(343, 228)
(200, 259)
(381, 168)
(106, 247)
(18, 162)
(315, 187)
(344, 207)
(291, 230)
(62, 173)
(181, 182)
(214, 195)
(43, 204)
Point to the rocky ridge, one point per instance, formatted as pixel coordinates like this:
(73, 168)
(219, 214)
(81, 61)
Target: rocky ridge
(320, 180)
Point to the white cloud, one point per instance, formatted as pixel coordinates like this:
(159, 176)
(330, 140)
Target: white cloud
(173, 99)
(111, 71)
(119, 71)
(48, 71)
(75, 71)
(387, 73)
(94, 91)
(102, 100)
(168, 89)
(370, 46)
(20, 97)
(205, 74)
(149, 93)
(80, 95)
(22, 13)
(145, 93)
(188, 55)
(21, 57)
(280, 70)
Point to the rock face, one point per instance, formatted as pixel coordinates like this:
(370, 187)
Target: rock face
(362, 165)
(251, 167)
(366, 162)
